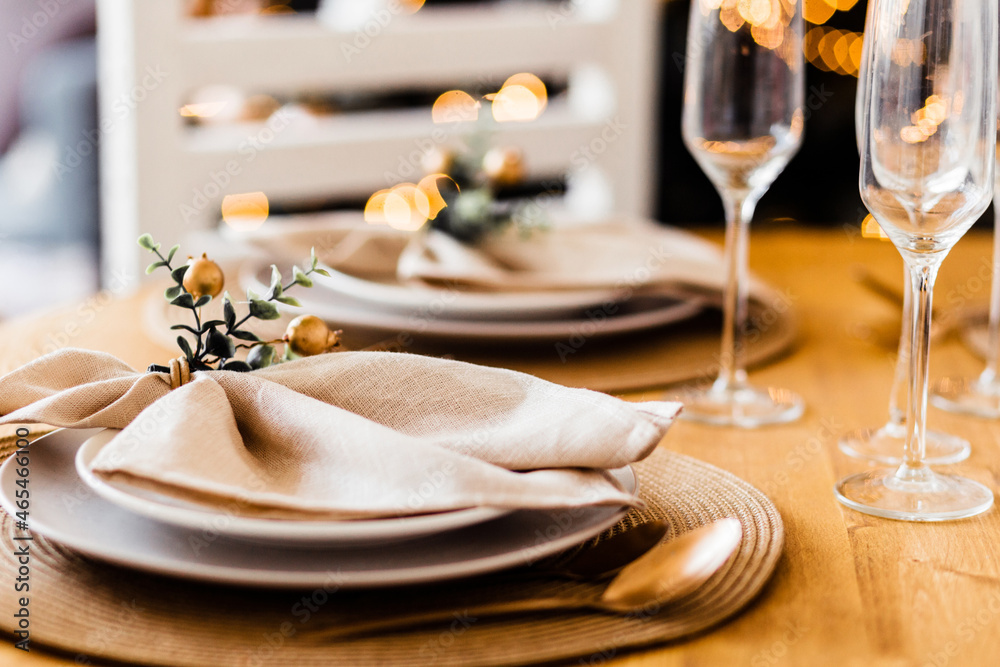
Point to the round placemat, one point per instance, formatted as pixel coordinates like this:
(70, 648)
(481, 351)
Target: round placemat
(95, 611)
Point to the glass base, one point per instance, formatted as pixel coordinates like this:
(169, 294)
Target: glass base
(917, 494)
(885, 445)
(743, 406)
(967, 397)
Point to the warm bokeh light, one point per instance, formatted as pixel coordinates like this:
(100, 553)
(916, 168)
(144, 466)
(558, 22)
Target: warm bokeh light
(413, 6)
(516, 104)
(245, 212)
(375, 208)
(730, 17)
(833, 50)
(817, 11)
(203, 110)
(405, 207)
(218, 103)
(908, 52)
(532, 83)
(870, 229)
(455, 106)
(428, 185)
(926, 120)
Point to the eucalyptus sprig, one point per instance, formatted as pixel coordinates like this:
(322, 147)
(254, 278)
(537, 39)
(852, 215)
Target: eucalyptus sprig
(215, 346)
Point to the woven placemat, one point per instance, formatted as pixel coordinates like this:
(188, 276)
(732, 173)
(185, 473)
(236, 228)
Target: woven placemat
(95, 611)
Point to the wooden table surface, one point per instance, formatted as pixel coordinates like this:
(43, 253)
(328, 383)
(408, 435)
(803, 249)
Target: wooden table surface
(850, 589)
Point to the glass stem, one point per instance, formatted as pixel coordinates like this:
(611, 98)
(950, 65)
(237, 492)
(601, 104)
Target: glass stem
(732, 358)
(897, 397)
(992, 372)
(922, 276)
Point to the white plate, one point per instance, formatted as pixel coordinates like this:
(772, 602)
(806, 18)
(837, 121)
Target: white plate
(637, 314)
(304, 533)
(65, 510)
(379, 288)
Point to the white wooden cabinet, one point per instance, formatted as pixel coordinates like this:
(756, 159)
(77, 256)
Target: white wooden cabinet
(162, 176)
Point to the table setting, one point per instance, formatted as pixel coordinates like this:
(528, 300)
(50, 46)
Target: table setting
(461, 427)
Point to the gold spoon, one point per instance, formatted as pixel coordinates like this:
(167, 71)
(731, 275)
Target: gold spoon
(666, 573)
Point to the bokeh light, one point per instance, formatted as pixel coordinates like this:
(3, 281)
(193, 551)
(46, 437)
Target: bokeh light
(455, 106)
(245, 212)
(833, 50)
(515, 104)
(532, 83)
(926, 120)
(428, 185)
(406, 207)
(870, 229)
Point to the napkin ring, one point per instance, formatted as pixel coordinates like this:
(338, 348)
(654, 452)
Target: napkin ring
(180, 372)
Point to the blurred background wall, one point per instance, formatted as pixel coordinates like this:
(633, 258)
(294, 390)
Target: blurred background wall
(48, 110)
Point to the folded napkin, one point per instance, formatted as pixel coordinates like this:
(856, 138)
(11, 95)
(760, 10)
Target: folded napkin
(345, 435)
(635, 256)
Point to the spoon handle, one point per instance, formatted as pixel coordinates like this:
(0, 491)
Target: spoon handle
(467, 615)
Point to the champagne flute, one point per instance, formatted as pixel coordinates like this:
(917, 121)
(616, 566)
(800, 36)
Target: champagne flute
(927, 167)
(742, 121)
(885, 444)
(980, 396)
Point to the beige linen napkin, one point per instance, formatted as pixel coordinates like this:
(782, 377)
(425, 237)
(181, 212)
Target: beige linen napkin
(631, 256)
(345, 435)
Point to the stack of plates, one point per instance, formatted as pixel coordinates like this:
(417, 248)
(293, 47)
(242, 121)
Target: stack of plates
(133, 527)
(376, 299)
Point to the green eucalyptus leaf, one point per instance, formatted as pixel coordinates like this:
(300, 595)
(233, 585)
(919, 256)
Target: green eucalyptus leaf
(219, 344)
(313, 259)
(289, 301)
(263, 310)
(154, 266)
(185, 347)
(178, 274)
(178, 327)
(146, 241)
(238, 366)
(185, 300)
(275, 289)
(301, 278)
(228, 312)
(251, 295)
(212, 323)
(243, 334)
(202, 301)
(173, 292)
(173, 251)
(261, 356)
(322, 272)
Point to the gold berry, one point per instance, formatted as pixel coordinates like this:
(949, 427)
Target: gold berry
(203, 277)
(504, 166)
(308, 335)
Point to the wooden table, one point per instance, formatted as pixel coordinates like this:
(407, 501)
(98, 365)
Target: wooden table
(850, 589)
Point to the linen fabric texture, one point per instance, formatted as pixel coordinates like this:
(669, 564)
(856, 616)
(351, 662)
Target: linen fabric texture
(345, 435)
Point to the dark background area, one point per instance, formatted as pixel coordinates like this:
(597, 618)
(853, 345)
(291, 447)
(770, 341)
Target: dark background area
(819, 185)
